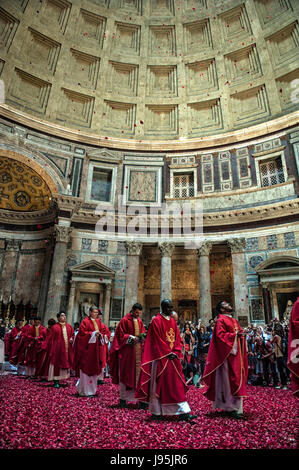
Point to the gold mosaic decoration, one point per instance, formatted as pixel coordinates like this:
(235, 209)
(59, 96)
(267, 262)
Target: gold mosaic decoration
(21, 188)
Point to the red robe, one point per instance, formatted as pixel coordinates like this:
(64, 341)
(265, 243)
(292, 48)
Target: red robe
(103, 345)
(293, 348)
(61, 353)
(87, 355)
(42, 366)
(15, 339)
(122, 357)
(222, 342)
(163, 338)
(34, 338)
(24, 342)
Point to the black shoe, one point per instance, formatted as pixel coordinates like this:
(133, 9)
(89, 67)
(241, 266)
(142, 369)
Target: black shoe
(157, 417)
(123, 403)
(143, 406)
(101, 382)
(235, 415)
(187, 417)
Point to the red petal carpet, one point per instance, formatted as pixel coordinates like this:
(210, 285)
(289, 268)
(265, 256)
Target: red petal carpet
(34, 415)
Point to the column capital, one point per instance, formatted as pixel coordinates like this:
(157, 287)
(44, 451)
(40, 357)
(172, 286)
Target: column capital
(134, 248)
(237, 245)
(205, 249)
(62, 233)
(166, 248)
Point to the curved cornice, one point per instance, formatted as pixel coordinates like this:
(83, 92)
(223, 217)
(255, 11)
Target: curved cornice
(233, 137)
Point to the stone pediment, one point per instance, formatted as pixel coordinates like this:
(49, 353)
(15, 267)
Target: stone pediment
(104, 156)
(92, 269)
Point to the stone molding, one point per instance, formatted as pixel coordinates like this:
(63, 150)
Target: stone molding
(68, 203)
(232, 137)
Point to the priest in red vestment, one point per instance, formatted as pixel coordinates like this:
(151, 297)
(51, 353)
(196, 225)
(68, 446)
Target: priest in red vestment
(14, 342)
(34, 337)
(87, 364)
(293, 348)
(42, 366)
(226, 368)
(125, 354)
(60, 350)
(161, 381)
(104, 342)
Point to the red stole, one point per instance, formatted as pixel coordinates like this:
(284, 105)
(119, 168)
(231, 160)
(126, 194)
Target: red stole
(163, 338)
(293, 348)
(223, 338)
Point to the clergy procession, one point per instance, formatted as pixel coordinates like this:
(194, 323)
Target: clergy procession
(147, 364)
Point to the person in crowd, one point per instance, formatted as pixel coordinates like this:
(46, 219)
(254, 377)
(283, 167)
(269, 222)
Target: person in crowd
(161, 382)
(227, 367)
(203, 343)
(293, 352)
(87, 363)
(15, 341)
(125, 354)
(277, 340)
(188, 342)
(42, 366)
(60, 350)
(104, 348)
(34, 336)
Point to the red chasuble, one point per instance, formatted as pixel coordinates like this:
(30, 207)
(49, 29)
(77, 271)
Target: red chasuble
(222, 342)
(293, 348)
(23, 346)
(122, 358)
(163, 338)
(15, 340)
(42, 366)
(87, 355)
(60, 349)
(34, 338)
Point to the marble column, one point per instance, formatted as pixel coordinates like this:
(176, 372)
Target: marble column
(62, 236)
(132, 275)
(49, 250)
(205, 302)
(71, 303)
(240, 279)
(106, 313)
(166, 250)
(267, 303)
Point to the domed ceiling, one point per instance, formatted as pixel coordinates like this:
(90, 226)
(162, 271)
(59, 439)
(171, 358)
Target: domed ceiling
(151, 69)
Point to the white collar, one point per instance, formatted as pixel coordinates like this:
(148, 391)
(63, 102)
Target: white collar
(165, 316)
